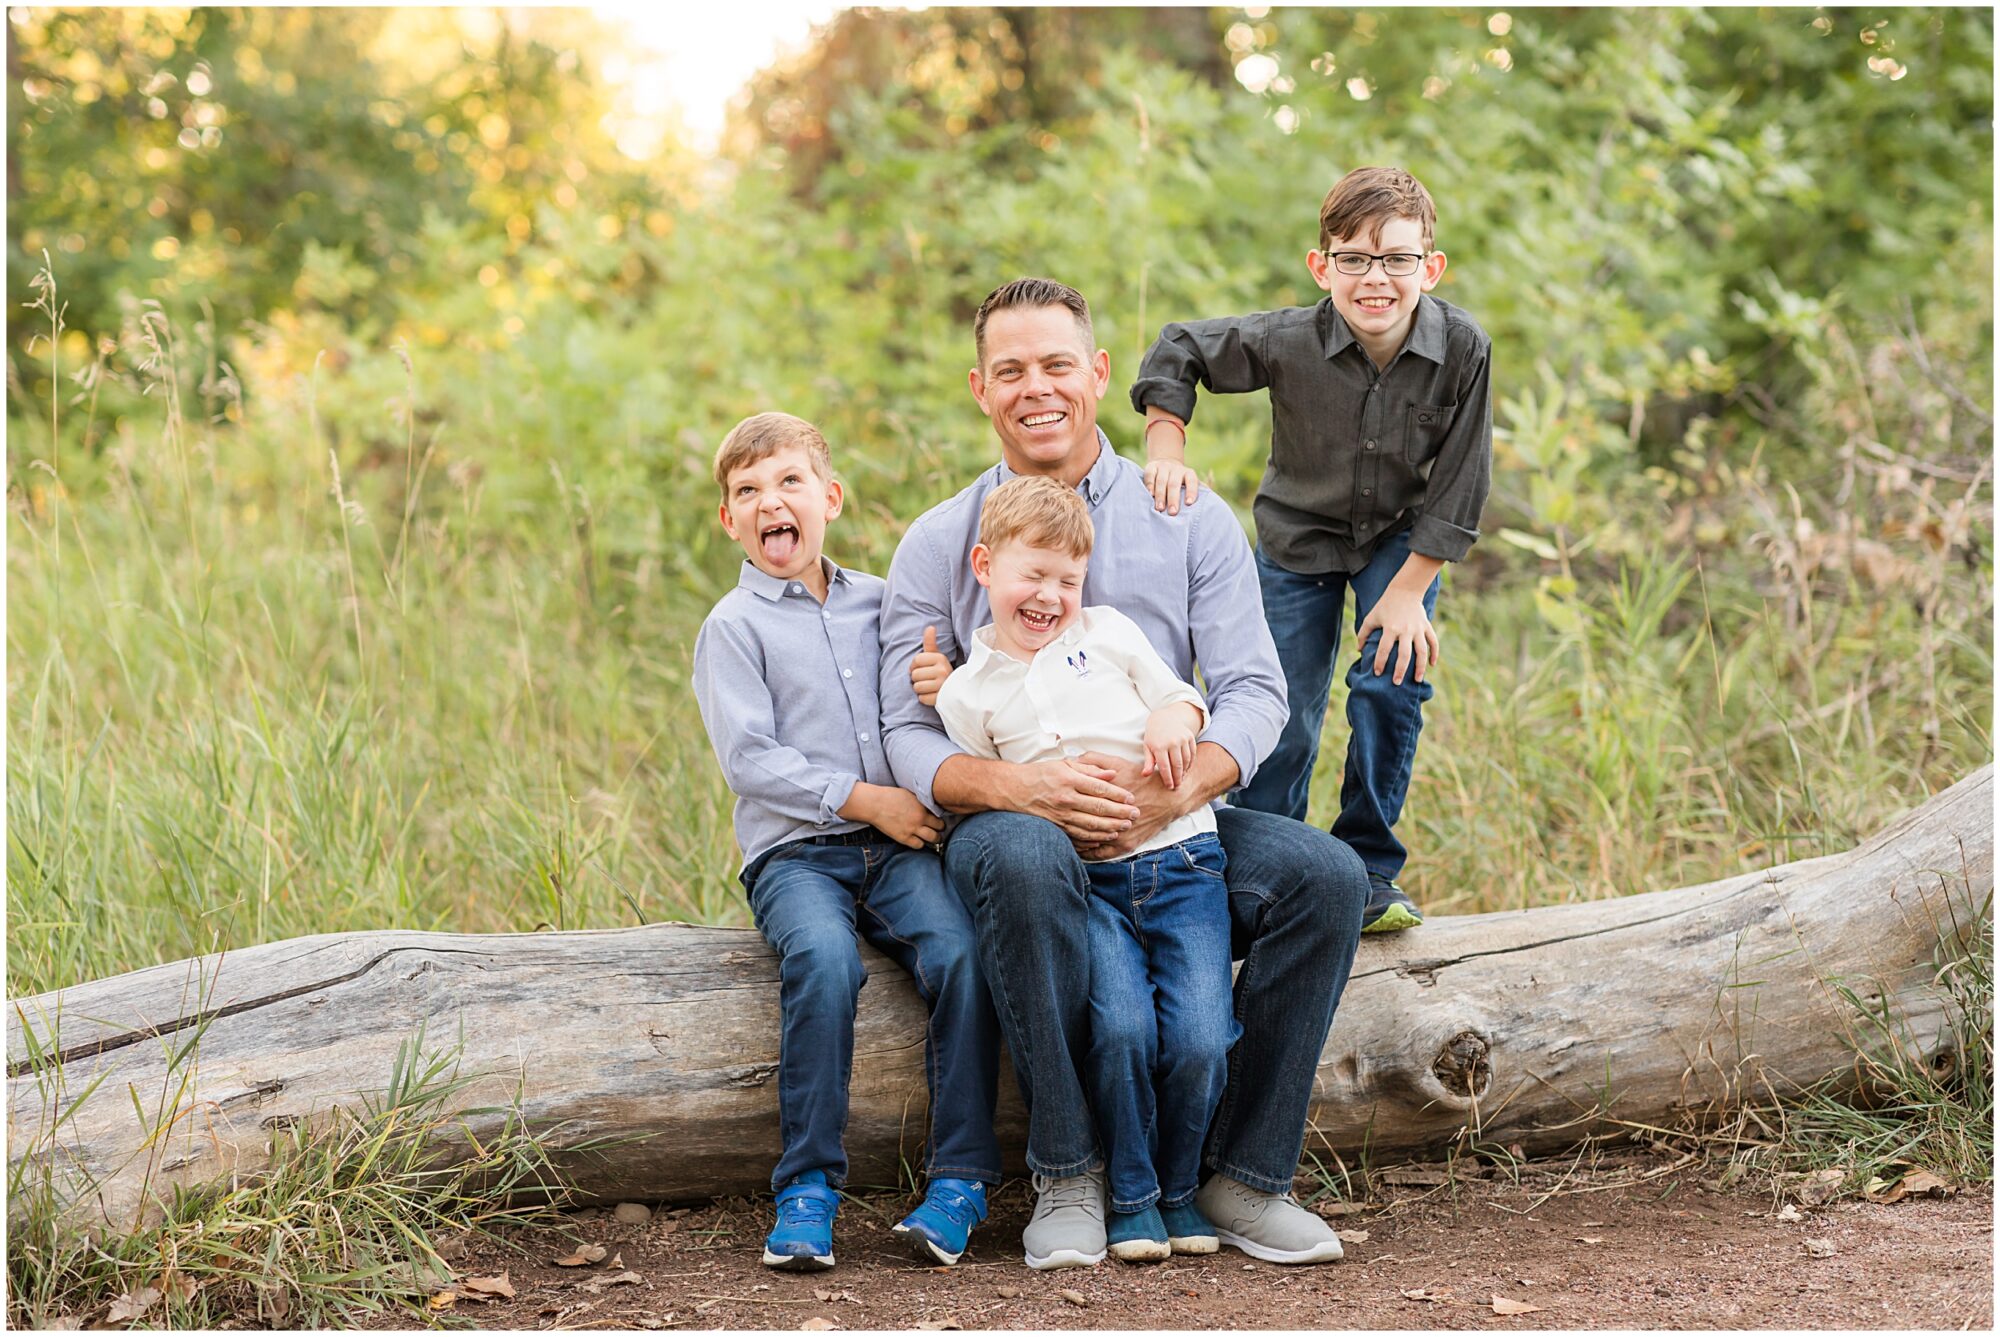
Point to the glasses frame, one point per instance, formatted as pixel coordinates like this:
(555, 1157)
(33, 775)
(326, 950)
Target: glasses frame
(1333, 259)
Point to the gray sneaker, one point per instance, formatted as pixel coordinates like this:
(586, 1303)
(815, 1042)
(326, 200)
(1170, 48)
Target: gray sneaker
(1067, 1229)
(1270, 1226)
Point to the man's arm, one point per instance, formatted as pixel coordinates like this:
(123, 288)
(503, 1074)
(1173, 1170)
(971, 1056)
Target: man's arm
(1232, 644)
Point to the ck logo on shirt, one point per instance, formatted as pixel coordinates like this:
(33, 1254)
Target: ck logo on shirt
(1080, 662)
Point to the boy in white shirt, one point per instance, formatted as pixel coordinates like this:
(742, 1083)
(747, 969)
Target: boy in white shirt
(1048, 679)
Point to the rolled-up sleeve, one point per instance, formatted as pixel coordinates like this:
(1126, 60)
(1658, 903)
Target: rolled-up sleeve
(1225, 355)
(1232, 645)
(735, 704)
(918, 595)
(1461, 474)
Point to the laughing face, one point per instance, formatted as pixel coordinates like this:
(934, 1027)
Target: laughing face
(1040, 383)
(1033, 593)
(778, 508)
(1378, 307)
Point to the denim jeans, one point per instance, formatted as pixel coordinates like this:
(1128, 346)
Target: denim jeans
(1295, 901)
(810, 901)
(1160, 1017)
(1383, 718)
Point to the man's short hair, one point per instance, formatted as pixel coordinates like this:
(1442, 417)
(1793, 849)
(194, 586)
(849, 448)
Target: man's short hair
(1032, 292)
(1038, 511)
(1370, 197)
(762, 435)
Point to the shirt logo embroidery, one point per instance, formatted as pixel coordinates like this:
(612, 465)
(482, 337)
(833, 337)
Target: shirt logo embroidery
(1079, 661)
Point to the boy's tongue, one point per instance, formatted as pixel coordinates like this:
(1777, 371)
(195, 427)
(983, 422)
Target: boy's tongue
(780, 545)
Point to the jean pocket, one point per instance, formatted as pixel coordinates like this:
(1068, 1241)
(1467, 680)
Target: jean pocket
(1424, 431)
(1203, 854)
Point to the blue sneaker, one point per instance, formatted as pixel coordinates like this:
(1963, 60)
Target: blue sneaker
(1137, 1237)
(944, 1220)
(1188, 1231)
(802, 1241)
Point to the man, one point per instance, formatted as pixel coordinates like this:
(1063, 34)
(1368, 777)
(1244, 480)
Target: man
(1295, 893)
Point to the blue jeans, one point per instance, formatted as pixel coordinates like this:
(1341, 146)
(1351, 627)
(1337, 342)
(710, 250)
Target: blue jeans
(810, 901)
(1383, 718)
(1160, 1017)
(1295, 900)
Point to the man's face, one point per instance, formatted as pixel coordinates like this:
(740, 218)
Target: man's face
(778, 509)
(1034, 593)
(1378, 306)
(1040, 383)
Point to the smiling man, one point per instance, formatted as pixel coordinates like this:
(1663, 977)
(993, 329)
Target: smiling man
(1016, 859)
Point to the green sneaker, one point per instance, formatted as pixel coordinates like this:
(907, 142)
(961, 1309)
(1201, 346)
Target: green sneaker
(1388, 910)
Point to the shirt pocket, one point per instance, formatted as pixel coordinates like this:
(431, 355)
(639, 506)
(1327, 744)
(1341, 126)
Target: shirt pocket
(1424, 429)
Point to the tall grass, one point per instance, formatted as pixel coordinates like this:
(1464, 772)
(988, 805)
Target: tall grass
(352, 649)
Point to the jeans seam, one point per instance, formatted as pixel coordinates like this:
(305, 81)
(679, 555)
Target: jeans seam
(928, 995)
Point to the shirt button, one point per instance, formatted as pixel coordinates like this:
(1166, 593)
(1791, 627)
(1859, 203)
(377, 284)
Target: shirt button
(1367, 491)
(864, 738)
(1368, 445)
(847, 673)
(798, 589)
(828, 616)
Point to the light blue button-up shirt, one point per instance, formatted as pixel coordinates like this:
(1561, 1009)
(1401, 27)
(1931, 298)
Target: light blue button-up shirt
(786, 687)
(1188, 580)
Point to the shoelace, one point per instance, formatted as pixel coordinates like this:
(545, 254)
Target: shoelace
(805, 1210)
(1080, 1191)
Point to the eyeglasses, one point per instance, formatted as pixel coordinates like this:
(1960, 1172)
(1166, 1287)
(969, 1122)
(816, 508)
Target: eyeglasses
(1354, 264)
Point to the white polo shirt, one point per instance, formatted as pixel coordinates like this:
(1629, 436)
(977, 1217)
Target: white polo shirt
(1089, 690)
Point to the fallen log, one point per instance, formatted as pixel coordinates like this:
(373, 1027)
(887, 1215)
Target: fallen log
(1533, 1028)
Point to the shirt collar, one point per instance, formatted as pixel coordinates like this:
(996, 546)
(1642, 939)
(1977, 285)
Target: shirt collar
(767, 586)
(1426, 331)
(984, 655)
(1095, 484)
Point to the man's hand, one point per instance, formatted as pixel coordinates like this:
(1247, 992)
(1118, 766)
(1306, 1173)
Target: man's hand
(896, 813)
(1166, 479)
(1214, 772)
(1170, 734)
(1078, 794)
(928, 669)
(1406, 632)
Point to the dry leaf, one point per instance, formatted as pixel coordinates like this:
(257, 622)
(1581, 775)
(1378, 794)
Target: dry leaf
(132, 1305)
(180, 1286)
(1427, 1295)
(1415, 1176)
(499, 1285)
(617, 1260)
(1502, 1305)
(619, 1279)
(939, 1325)
(1820, 1248)
(817, 1324)
(1352, 1236)
(1327, 1207)
(1822, 1187)
(1007, 1292)
(1590, 1239)
(1789, 1213)
(1075, 1298)
(442, 1301)
(1923, 1181)
(585, 1255)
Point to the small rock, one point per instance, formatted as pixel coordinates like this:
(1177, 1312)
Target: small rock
(1820, 1248)
(1007, 1292)
(632, 1213)
(1074, 1297)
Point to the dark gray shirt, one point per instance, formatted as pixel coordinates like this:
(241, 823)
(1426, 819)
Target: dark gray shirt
(1356, 454)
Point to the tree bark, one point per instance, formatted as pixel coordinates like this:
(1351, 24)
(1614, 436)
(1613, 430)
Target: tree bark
(1534, 1028)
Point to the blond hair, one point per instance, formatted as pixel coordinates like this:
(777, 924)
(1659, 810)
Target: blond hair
(1039, 512)
(762, 435)
(1370, 197)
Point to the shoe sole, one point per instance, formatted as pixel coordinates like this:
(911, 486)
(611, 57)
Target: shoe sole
(1393, 920)
(1193, 1244)
(925, 1246)
(1328, 1252)
(1063, 1258)
(1141, 1251)
(798, 1262)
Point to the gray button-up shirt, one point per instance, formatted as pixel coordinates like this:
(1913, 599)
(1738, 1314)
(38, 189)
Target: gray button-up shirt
(1356, 454)
(1188, 581)
(786, 687)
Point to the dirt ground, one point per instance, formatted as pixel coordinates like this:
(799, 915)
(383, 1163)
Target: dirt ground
(1642, 1245)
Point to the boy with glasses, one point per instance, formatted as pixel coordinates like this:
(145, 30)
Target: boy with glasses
(1381, 450)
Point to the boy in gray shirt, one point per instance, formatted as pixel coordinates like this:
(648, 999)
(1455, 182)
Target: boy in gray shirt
(1381, 451)
(785, 673)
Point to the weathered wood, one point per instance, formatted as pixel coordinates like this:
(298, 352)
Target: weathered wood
(1534, 1027)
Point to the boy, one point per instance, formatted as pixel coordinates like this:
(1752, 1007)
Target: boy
(1381, 447)
(785, 675)
(1048, 679)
